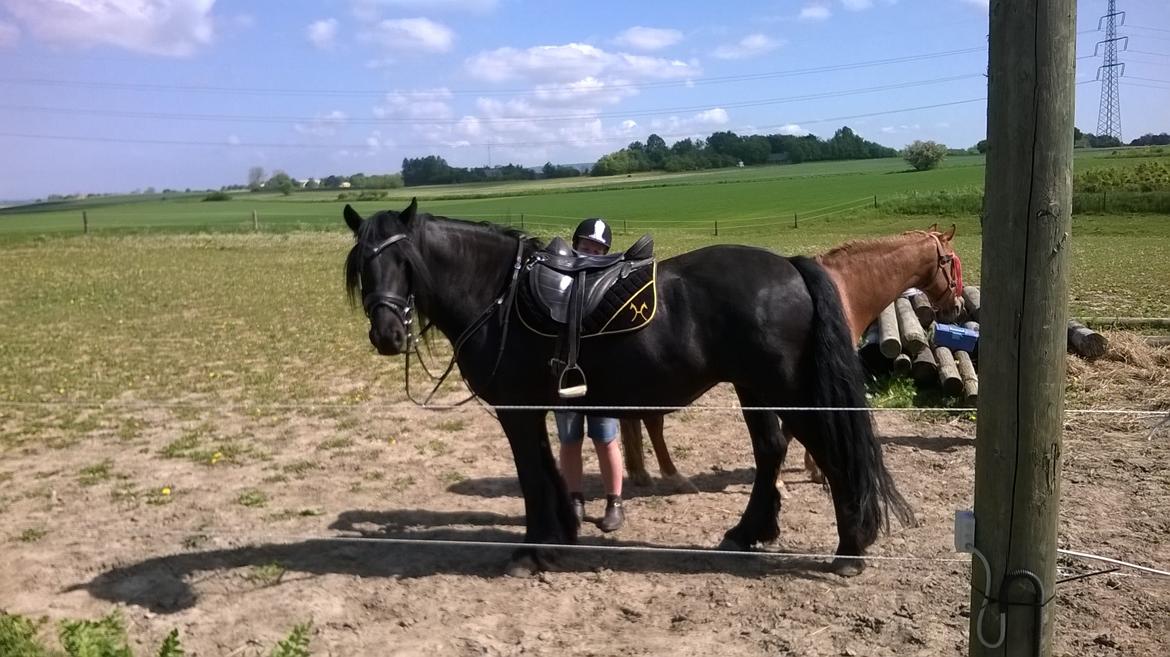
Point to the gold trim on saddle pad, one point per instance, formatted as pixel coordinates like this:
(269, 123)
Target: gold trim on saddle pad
(628, 306)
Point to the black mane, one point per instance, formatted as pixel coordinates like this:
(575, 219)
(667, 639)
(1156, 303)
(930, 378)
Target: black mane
(370, 234)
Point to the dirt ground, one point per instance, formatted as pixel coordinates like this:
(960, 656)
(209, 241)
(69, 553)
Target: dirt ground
(233, 552)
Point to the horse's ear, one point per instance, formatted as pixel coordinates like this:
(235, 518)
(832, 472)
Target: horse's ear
(411, 210)
(352, 218)
(933, 228)
(950, 234)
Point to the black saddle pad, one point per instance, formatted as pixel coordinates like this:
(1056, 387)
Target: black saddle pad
(627, 306)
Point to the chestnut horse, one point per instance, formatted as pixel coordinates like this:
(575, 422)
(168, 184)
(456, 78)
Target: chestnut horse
(869, 275)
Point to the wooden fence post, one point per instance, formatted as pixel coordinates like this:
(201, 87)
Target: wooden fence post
(1026, 233)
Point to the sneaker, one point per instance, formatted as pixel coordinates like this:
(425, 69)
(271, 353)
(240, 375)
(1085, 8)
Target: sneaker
(615, 514)
(578, 502)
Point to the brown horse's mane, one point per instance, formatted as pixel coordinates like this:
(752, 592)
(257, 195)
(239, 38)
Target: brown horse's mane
(853, 246)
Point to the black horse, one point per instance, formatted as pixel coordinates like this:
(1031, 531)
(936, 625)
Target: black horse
(772, 326)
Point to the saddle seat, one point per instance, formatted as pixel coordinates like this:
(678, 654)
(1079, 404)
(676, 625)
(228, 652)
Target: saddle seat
(557, 274)
(570, 297)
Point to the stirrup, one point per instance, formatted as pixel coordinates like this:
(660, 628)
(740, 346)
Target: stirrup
(571, 392)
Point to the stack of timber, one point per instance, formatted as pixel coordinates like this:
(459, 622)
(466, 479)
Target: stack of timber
(907, 340)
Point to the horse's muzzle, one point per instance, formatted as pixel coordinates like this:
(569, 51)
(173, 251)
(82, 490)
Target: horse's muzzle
(389, 337)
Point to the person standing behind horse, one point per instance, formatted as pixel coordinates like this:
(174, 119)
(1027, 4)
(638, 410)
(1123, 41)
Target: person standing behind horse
(592, 237)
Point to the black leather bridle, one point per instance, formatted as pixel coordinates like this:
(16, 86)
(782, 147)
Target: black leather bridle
(402, 307)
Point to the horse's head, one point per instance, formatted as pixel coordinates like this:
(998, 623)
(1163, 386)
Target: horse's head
(382, 269)
(945, 286)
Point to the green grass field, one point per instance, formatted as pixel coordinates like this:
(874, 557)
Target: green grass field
(738, 199)
(166, 300)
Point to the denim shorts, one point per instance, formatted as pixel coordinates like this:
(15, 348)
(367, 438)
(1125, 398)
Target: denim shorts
(571, 426)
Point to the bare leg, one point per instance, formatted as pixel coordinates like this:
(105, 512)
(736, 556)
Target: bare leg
(609, 461)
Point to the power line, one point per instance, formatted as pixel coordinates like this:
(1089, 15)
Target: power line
(1142, 27)
(599, 140)
(546, 89)
(1125, 82)
(1146, 52)
(1134, 77)
(243, 118)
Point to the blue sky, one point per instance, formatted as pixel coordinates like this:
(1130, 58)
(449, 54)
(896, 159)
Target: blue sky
(343, 86)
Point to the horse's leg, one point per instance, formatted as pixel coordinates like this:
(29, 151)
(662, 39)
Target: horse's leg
(548, 514)
(632, 447)
(654, 427)
(784, 494)
(814, 472)
(760, 520)
(845, 503)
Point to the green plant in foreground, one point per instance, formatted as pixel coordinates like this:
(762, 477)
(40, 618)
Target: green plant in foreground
(106, 637)
(296, 644)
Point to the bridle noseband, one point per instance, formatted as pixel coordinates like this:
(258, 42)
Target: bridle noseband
(951, 267)
(403, 308)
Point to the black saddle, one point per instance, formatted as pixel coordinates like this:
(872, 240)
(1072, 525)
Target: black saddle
(569, 297)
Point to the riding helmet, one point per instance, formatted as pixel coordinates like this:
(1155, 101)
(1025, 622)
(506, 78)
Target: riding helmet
(596, 230)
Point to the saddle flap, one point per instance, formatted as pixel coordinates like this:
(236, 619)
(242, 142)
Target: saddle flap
(553, 290)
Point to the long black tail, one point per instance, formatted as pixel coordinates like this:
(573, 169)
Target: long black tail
(839, 381)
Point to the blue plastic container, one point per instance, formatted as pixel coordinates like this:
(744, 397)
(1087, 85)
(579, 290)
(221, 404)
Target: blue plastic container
(953, 336)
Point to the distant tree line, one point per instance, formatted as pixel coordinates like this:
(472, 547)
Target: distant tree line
(727, 149)
(280, 181)
(434, 170)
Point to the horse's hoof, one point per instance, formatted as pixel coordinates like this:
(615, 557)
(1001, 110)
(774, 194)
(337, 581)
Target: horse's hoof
(732, 545)
(783, 490)
(522, 566)
(641, 478)
(848, 567)
(681, 484)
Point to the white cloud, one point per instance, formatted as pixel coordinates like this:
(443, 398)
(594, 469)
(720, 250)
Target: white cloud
(173, 28)
(648, 38)
(857, 5)
(325, 125)
(407, 35)
(697, 125)
(792, 129)
(9, 35)
(570, 63)
(815, 13)
(751, 45)
(370, 9)
(893, 129)
(588, 91)
(419, 104)
(322, 33)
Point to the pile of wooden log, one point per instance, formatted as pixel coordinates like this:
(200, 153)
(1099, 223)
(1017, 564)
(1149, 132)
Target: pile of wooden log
(903, 341)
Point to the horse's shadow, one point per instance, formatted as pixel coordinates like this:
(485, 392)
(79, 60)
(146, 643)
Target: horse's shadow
(712, 481)
(165, 584)
(942, 444)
